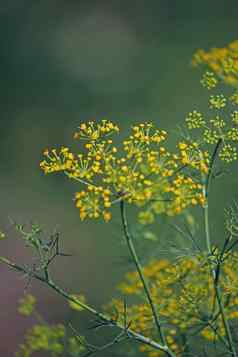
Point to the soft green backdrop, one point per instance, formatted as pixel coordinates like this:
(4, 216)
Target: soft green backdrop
(63, 62)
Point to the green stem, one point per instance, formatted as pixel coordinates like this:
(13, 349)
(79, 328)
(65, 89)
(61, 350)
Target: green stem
(131, 333)
(225, 322)
(141, 275)
(206, 190)
(208, 244)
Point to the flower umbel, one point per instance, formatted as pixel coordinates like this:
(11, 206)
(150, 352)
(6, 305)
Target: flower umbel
(209, 80)
(217, 101)
(140, 171)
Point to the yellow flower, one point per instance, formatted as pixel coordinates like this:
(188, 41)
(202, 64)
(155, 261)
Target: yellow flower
(107, 216)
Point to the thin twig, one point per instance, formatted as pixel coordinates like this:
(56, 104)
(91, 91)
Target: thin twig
(131, 333)
(92, 349)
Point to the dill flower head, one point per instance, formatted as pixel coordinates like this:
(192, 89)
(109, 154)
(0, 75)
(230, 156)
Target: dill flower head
(209, 80)
(217, 101)
(217, 122)
(93, 131)
(194, 120)
(228, 153)
(140, 170)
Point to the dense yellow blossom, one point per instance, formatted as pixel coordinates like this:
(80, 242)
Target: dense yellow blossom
(140, 171)
(222, 61)
(183, 292)
(93, 131)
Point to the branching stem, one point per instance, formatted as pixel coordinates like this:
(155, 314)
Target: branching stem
(209, 249)
(130, 333)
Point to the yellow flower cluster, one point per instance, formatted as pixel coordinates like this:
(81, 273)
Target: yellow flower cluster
(209, 80)
(222, 61)
(48, 339)
(94, 201)
(194, 120)
(179, 191)
(43, 338)
(51, 340)
(217, 101)
(217, 128)
(228, 153)
(93, 131)
(27, 305)
(183, 292)
(140, 171)
(224, 64)
(192, 156)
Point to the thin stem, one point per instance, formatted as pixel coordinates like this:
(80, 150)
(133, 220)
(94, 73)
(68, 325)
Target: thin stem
(206, 190)
(208, 243)
(79, 179)
(225, 322)
(130, 333)
(141, 275)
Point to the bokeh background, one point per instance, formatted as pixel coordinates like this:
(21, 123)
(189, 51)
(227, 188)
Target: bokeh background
(63, 62)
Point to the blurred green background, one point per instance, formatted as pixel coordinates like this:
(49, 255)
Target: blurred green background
(64, 62)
